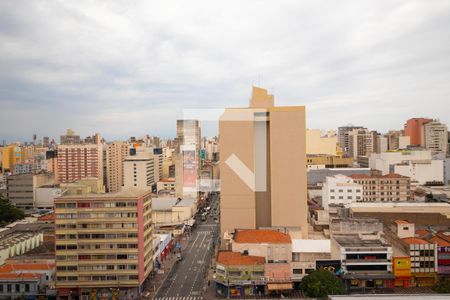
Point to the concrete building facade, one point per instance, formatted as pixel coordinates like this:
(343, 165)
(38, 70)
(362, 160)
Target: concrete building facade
(116, 154)
(103, 244)
(390, 187)
(413, 129)
(318, 144)
(340, 189)
(256, 186)
(139, 171)
(435, 137)
(79, 161)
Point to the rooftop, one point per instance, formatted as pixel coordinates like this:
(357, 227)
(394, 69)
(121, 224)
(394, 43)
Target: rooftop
(411, 241)
(8, 268)
(355, 240)
(310, 246)
(169, 202)
(20, 276)
(257, 236)
(364, 176)
(126, 193)
(401, 222)
(229, 258)
(439, 241)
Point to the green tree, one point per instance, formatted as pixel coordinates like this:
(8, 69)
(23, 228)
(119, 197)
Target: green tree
(9, 213)
(429, 197)
(442, 286)
(320, 284)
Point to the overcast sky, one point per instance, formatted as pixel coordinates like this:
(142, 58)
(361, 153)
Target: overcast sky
(126, 68)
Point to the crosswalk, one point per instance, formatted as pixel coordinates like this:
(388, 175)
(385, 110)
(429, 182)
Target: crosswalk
(180, 298)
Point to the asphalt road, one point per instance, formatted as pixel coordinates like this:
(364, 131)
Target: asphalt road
(186, 280)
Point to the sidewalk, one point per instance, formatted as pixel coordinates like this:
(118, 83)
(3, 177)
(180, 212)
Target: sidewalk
(166, 266)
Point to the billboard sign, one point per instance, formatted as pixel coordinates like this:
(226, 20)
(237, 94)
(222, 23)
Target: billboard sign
(331, 265)
(402, 266)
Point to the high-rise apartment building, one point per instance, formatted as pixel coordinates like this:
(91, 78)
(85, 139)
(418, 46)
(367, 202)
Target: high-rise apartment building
(435, 137)
(80, 161)
(263, 166)
(69, 138)
(139, 171)
(413, 129)
(343, 136)
(11, 155)
(103, 244)
(396, 140)
(116, 153)
(362, 142)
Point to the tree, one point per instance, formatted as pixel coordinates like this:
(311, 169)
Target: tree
(442, 286)
(9, 213)
(430, 197)
(320, 284)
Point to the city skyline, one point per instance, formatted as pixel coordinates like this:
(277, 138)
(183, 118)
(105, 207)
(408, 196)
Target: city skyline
(129, 70)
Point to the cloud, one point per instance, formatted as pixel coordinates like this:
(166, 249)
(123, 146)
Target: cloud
(126, 68)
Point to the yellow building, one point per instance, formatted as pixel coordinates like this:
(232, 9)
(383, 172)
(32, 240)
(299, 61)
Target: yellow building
(318, 144)
(103, 244)
(11, 155)
(319, 161)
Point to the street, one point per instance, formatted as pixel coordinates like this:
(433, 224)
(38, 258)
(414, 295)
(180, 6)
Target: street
(187, 279)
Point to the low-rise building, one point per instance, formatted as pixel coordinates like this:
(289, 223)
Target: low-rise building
(21, 189)
(17, 239)
(340, 189)
(422, 253)
(275, 247)
(416, 164)
(305, 253)
(170, 214)
(366, 260)
(390, 187)
(166, 186)
(27, 279)
(323, 161)
(239, 275)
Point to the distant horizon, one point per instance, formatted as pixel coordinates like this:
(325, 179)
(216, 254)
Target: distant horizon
(108, 139)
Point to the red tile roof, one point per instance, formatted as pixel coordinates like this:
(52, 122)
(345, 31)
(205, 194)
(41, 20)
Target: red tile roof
(257, 236)
(440, 242)
(229, 258)
(8, 268)
(422, 232)
(20, 276)
(415, 241)
(48, 217)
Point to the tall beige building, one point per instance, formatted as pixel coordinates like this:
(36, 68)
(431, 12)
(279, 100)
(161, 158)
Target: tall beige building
(263, 166)
(116, 153)
(79, 161)
(435, 137)
(362, 142)
(139, 171)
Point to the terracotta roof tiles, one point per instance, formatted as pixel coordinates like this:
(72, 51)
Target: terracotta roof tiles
(415, 241)
(229, 258)
(258, 236)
